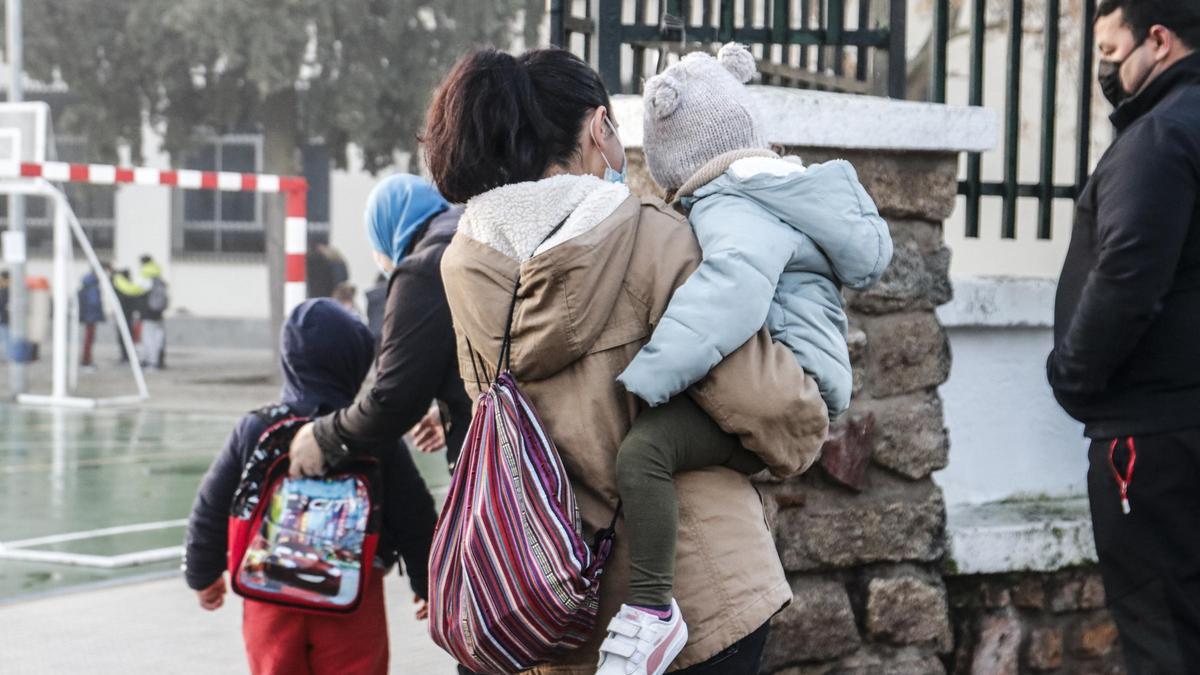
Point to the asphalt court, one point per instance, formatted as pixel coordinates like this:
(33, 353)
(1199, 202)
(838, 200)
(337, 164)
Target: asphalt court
(88, 497)
(96, 496)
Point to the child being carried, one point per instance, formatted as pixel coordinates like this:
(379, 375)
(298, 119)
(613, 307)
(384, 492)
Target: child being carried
(779, 242)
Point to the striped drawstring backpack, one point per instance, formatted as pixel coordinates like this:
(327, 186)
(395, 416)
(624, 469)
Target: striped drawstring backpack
(512, 583)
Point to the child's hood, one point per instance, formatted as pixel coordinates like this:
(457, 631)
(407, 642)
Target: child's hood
(826, 202)
(325, 353)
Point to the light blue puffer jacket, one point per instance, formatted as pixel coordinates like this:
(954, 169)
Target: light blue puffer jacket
(779, 242)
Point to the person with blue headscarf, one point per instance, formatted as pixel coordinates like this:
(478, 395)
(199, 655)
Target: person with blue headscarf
(409, 225)
(397, 209)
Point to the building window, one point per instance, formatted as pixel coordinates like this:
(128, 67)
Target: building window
(214, 221)
(230, 224)
(94, 206)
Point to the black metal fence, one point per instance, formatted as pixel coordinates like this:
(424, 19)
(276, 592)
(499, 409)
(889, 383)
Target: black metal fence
(815, 44)
(807, 43)
(1010, 188)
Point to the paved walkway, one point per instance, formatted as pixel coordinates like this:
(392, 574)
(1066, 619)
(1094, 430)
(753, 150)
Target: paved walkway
(156, 627)
(120, 460)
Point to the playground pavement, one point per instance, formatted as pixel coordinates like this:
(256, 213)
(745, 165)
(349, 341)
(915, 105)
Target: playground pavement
(157, 627)
(151, 623)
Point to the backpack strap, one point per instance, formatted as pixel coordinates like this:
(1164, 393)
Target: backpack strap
(603, 543)
(505, 361)
(274, 413)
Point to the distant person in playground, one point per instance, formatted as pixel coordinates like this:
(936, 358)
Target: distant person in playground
(326, 268)
(91, 313)
(129, 295)
(343, 294)
(155, 301)
(325, 354)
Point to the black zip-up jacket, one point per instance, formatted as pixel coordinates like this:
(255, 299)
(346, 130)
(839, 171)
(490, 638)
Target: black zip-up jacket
(326, 355)
(417, 359)
(1126, 357)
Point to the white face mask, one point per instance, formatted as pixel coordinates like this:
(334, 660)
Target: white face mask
(610, 174)
(384, 263)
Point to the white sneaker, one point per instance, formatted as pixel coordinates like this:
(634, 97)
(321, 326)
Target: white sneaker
(640, 643)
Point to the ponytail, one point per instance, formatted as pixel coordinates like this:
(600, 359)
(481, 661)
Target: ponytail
(500, 119)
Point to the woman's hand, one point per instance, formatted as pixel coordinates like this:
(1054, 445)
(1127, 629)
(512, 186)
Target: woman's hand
(213, 597)
(429, 435)
(305, 455)
(422, 608)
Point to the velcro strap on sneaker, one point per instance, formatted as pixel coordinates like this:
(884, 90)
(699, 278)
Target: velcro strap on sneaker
(622, 648)
(623, 628)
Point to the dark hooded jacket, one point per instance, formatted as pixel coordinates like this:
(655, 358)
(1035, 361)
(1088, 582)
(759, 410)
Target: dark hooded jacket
(417, 362)
(91, 309)
(326, 353)
(1126, 357)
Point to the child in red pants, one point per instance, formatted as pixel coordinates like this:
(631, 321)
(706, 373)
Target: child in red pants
(296, 643)
(326, 353)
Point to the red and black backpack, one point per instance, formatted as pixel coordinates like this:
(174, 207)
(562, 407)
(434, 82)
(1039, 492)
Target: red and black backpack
(306, 543)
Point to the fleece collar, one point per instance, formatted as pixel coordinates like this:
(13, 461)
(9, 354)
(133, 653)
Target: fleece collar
(717, 166)
(514, 219)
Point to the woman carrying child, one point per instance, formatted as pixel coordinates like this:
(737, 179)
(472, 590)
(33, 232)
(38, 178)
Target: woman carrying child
(530, 145)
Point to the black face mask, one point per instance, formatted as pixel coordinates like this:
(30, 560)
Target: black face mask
(1109, 75)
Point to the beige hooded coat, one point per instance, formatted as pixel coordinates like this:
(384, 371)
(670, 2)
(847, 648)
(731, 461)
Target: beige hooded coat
(589, 298)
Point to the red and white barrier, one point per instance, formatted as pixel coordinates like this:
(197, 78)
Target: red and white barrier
(295, 189)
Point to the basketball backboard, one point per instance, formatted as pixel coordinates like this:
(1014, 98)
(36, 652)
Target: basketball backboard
(25, 132)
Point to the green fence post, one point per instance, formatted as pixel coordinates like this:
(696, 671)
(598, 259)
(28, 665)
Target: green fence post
(1083, 159)
(941, 36)
(1049, 98)
(897, 44)
(557, 36)
(975, 159)
(608, 44)
(1012, 122)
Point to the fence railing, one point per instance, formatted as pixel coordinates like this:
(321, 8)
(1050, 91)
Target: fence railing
(850, 46)
(1011, 189)
(836, 45)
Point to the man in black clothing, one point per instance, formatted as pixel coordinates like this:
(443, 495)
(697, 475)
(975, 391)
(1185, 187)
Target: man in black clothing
(1126, 359)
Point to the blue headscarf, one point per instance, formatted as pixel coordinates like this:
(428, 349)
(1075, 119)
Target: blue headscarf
(397, 208)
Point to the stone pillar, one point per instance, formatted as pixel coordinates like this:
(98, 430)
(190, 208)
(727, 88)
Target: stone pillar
(862, 535)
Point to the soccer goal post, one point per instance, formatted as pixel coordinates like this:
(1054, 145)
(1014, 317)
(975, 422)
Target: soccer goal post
(39, 178)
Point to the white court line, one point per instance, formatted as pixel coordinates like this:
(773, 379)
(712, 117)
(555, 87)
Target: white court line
(107, 461)
(101, 561)
(90, 534)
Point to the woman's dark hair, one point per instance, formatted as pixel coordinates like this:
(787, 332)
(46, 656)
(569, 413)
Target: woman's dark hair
(1181, 16)
(500, 119)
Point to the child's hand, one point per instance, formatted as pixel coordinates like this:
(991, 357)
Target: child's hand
(422, 608)
(213, 597)
(429, 435)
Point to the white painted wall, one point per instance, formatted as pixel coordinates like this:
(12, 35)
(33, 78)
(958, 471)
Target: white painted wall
(1008, 436)
(143, 226)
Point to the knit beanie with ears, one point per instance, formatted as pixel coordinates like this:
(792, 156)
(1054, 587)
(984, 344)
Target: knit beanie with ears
(696, 110)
